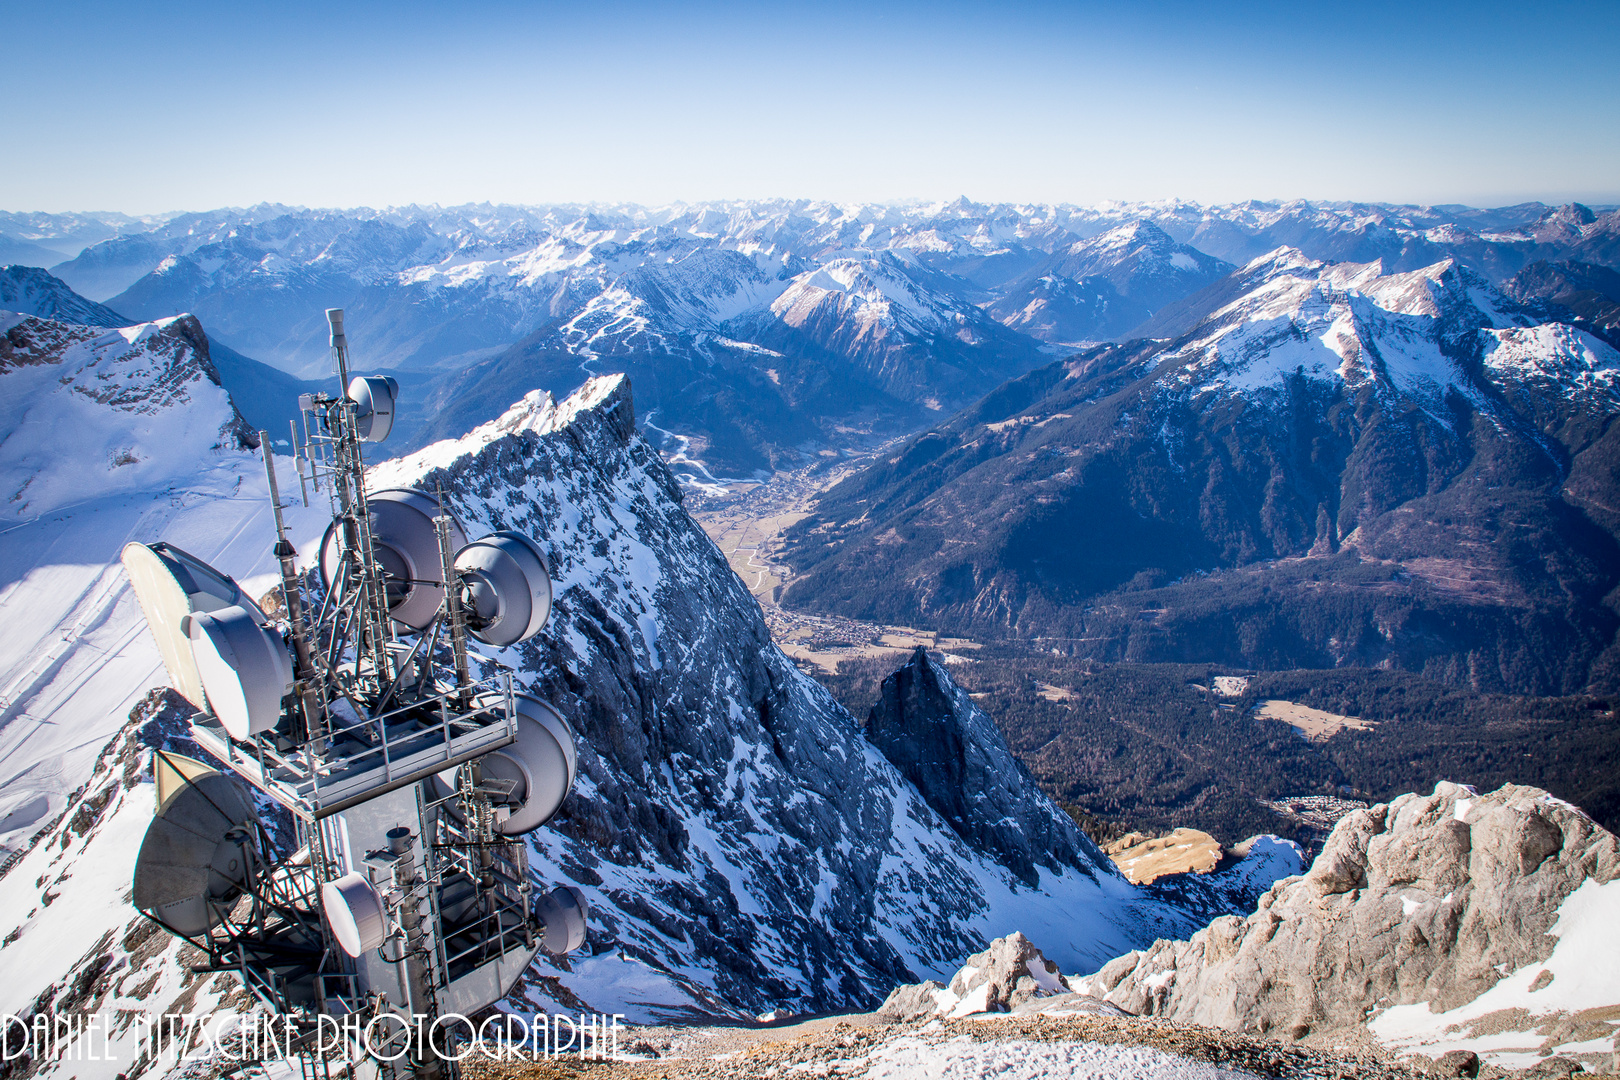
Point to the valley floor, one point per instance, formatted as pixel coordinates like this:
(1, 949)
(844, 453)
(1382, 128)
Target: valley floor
(747, 521)
(1011, 1048)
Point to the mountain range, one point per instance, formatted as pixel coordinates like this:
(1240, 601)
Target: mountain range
(1310, 464)
(756, 331)
(743, 843)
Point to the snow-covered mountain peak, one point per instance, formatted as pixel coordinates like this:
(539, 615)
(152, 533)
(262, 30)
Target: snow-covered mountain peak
(1347, 323)
(141, 405)
(537, 412)
(32, 291)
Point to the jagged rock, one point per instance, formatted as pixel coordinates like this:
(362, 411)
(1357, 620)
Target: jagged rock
(1429, 899)
(1553, 1068)
(957, 758)
(1011, 972)
(912, 1001)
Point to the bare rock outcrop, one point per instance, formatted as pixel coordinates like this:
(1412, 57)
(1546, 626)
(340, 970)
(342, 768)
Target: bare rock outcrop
(1426, 899)
(1010, 976)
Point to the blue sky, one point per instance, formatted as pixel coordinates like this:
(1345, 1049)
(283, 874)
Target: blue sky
(162, 106)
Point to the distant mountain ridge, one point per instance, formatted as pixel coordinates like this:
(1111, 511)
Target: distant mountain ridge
(741, 352)
(1332, 464)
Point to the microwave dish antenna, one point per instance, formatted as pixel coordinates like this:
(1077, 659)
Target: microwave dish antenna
(170, 585)
(410, 764)
(199, 850)
(245, 668)
(531, 776)
(507, 588)
(405, 544)
(373, 397)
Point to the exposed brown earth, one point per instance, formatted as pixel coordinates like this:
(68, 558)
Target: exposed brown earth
(1145, 860)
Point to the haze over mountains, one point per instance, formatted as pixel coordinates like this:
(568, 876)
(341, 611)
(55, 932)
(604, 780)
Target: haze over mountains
(755, 331)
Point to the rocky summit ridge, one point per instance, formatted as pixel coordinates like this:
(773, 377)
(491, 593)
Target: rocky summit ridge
(1455, 920)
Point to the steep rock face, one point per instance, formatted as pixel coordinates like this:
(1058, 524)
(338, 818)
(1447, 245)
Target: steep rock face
(740, 841)
(931, 731)
(1329, 464)
(1428, 901)
(28, 290)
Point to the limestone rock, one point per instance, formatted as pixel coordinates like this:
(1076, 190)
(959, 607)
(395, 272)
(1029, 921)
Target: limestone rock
(912, 1001)
(1426, 899)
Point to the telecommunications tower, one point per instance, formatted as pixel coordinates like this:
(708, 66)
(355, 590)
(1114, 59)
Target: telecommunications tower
(354, 703)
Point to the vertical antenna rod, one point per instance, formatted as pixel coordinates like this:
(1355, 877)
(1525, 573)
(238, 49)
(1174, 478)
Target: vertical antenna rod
(308, 685)
(349, 475)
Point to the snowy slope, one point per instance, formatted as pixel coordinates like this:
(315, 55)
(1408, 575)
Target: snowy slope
(28, 290)
(108, 436)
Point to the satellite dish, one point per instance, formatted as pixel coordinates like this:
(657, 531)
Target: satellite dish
(508, 591)
(407, 545)
(245, 669)
(563, 910)
(374, 397)
(171, 584)
(537, 769)
(197, 851)
(354, 911)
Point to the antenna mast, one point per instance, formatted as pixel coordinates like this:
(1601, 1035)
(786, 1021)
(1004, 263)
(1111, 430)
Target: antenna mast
(412, 777)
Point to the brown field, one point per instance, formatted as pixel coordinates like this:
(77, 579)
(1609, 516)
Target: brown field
(1144, 860)
(1314, 724)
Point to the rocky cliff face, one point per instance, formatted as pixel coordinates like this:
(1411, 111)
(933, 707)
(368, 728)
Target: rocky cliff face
(742, 844)
(89, 411)
(946, 746)
(1437, 918)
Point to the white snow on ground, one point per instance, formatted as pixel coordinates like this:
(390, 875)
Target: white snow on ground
(963, 1059)
(1588, 927)
(75, 654)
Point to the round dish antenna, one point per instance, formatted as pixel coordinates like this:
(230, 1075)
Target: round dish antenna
(507, 588)
(198, 850)
(530, 777)
(171, 584)
(563, 910)
(355, 913)
(407, 546)
(374, 397)
(245, 669)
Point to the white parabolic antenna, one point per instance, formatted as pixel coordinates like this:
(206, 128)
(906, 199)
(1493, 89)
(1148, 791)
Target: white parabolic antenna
(196, 849)
(407, 545)
(245, 669)
(171, 584)
(538, 769)
(508, 588)
(355, 913)
(563, 911)
(373, 397)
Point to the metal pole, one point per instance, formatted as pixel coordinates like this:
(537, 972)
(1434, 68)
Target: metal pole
(308, 687)
(425, 1063)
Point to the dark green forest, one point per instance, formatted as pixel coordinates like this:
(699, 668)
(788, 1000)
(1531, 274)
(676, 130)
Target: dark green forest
(1147, 746)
